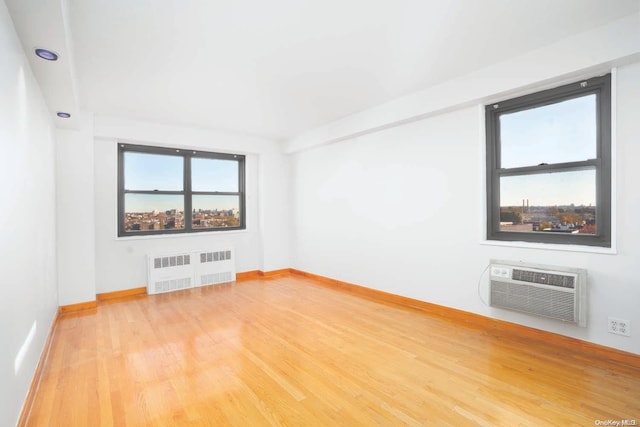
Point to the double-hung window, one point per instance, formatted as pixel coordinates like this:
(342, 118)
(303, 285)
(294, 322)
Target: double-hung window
(172, 191)
(549, 166)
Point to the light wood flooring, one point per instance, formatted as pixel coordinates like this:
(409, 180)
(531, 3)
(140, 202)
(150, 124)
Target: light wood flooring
(289, 352)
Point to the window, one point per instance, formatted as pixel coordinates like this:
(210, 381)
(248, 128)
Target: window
(170, 191)
(549, 166)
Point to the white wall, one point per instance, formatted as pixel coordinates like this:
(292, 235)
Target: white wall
(400, 210)
(275, 210)
(121, 263)
(28, 232)
(569, 59)
(75, 212)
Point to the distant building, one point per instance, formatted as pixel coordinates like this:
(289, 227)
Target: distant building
(509, 226)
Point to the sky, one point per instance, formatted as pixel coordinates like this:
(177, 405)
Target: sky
(145, 171)
(556, 133)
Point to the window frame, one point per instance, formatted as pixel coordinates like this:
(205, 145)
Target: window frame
(601, 87)
(186, 154)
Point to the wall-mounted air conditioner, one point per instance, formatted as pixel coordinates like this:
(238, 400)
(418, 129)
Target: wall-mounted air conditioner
(556, 292)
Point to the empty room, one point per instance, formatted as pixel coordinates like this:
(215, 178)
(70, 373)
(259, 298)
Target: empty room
(319, 213)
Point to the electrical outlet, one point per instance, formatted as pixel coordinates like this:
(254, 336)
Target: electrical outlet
(619, 326)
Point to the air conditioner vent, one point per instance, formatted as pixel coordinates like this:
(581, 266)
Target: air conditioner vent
(556, 292)
(563, 281)
(529, 299)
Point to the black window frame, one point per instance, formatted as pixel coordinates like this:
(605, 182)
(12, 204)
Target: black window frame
(601, 87)
(186, 154)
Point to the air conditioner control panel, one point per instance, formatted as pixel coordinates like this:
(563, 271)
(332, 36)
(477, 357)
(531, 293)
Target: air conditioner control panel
(500, 271)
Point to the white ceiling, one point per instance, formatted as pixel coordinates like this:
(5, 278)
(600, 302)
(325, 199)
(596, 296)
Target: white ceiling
(278, 68)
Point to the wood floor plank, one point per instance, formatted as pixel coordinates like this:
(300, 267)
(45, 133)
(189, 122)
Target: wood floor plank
(285, 351)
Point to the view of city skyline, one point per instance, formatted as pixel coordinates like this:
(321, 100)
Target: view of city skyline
(165, 202)
(556, 189)
(174, 219)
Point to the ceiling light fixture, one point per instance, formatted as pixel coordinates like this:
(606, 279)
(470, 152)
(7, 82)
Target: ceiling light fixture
(47, 54)
(63, 115)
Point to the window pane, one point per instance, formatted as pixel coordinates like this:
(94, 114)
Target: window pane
(216, 211)
(144, 171)
(561, 202)
(149, 212)
(214, 175)
(555, 133)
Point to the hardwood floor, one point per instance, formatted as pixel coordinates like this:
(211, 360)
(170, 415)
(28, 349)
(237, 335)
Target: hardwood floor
(286, 351)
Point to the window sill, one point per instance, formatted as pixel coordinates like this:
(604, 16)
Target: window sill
(183, 235)
(551, 247)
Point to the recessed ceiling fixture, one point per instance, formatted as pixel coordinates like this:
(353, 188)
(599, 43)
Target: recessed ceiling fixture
(63, 115)
(47, 54)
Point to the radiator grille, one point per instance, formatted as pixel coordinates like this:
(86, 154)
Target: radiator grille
(171, 261)
(172, 285)
(215, 256)
(215, 278)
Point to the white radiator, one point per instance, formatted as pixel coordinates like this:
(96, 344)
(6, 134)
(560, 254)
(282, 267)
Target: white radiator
(167, 273)
(556, 292)
(214, 267)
